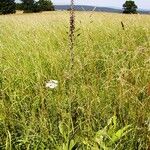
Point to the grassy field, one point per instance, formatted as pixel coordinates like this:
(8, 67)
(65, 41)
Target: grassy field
(102, 103)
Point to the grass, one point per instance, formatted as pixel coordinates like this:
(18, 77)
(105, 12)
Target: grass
(103, 103)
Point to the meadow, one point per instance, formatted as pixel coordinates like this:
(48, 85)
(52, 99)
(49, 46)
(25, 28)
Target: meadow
(103, 102)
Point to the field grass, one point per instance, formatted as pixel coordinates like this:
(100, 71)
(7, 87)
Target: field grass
(102, 103)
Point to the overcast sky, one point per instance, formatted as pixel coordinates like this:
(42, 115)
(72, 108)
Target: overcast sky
(143, 4)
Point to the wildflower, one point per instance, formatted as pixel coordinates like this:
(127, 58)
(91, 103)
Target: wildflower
(71, 34)
(52, 84)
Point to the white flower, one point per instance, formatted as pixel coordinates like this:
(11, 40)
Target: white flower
(52, 84)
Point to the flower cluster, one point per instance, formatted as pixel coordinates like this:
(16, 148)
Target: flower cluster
(52, 84)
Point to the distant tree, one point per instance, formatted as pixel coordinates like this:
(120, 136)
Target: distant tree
(28, 5)
(46, 5)
(37, 6)
(19, 6)
(7, 6)
(130, 7)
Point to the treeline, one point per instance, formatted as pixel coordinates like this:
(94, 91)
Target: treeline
(28, 6)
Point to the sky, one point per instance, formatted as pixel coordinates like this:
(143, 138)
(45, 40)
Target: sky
(142, 4)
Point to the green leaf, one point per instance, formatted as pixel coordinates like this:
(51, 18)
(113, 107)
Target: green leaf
(120, 133)
(65, 147)
(73, 145)
(63, 130)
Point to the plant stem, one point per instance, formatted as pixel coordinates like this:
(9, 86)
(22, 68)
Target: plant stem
(71, 34)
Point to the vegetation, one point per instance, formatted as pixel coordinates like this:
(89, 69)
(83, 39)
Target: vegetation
(37, 6)
(19, 6)
(46, 5)
(28, 6)
(130, 7)
(7, 7)
(102, 103)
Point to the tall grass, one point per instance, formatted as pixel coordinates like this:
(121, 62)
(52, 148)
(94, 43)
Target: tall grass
(104, 104)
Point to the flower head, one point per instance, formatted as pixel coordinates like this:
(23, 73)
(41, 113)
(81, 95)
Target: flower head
(52, 84)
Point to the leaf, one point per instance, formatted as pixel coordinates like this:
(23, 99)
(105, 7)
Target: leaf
(99, 136)
(65, 147)
(111, 126)
(120, 133)
(99, 139)
(73, 145)
(63, 130)
(112, 121)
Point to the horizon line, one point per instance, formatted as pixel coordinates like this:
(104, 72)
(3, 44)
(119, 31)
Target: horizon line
(100, 6)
